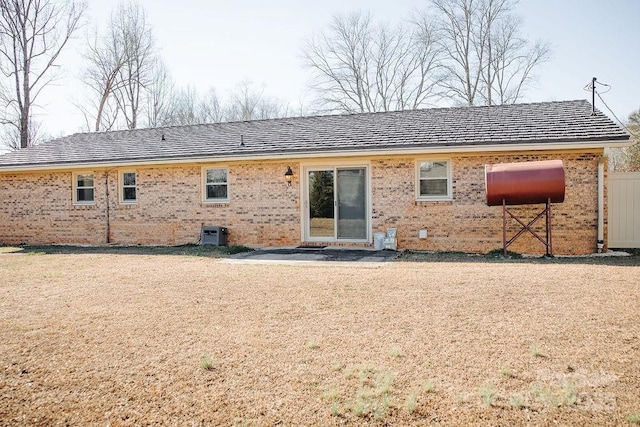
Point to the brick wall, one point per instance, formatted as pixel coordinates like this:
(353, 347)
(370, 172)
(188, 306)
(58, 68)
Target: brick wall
(466, 224)
(37, 208)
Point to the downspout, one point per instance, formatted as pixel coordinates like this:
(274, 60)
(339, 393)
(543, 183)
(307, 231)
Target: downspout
(601, 164)
(106, 186)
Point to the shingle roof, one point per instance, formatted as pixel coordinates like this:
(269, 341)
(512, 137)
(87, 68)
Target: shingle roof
(539, 123)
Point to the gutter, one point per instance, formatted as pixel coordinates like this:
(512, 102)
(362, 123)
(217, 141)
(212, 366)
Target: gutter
(495, 148)
(108, 214)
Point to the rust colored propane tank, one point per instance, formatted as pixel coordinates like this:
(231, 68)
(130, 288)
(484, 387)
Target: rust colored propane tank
(524, 183)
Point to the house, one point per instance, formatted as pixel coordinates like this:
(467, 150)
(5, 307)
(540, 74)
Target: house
(419, 171)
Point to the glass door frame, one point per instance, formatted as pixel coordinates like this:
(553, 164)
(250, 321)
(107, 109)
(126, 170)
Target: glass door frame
(304, 206)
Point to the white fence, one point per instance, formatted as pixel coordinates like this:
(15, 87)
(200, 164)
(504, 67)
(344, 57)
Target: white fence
(624, 210)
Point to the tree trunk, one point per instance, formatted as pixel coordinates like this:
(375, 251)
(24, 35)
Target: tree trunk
(26, 97)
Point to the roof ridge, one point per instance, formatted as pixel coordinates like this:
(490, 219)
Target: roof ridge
(296, 118)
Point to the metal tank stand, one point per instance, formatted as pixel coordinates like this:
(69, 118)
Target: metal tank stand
(547, 242)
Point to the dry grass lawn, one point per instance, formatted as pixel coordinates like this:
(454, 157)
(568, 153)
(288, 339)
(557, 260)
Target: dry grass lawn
(125, 339)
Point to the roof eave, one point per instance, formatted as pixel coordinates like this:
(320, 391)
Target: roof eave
(443, 149)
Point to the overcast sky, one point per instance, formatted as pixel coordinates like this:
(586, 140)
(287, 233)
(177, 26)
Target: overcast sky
(218, 43)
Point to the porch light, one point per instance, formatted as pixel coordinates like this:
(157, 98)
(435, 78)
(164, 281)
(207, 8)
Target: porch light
(288, 175)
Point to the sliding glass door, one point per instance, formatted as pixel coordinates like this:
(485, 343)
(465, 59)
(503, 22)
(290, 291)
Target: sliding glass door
(336, 207)
(321, 204)
(351, 198)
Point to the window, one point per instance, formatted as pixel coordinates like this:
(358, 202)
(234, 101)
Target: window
(434, 180)
(83, 188)
(128, 187)
(216, 187)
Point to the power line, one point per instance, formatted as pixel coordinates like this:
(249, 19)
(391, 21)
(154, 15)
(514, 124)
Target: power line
(614, 115)
(591, 87)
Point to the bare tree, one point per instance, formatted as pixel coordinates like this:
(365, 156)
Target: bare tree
(462, 39)
(359, 66)
(124, 74)
(424, 74)
(628, 159)
(185, 108)
(487, 60)
(33, 33)
(633, 152)
(169, 106)
(247, 103)
(160, 96)
(136, 74)
(11, 138)
(105, 58)
(211, 109)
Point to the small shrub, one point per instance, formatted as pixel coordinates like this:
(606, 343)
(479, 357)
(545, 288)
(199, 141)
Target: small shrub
(568, 395)
(365, 405)
(564, 396)
(634, 418)
(463, 398)
(546, 396)
(312, 344)
(380, 408)
(360, 407)
(206, 363)
(412, 401)
(384, 381)
(427, 386)
(487, 394)
(536, 352)
(331, 394)
(517, 401)
(373, 393)
(335, 409)
(336, 367)
(363, 372)
(507, 372)
(395, 352)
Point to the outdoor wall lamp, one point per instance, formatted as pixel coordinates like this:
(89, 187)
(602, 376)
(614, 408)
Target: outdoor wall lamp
(288, 175)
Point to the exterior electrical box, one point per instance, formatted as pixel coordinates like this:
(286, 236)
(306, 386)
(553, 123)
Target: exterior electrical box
(216, 236)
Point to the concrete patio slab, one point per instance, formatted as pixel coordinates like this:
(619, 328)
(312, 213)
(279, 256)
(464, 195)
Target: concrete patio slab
(328, 254)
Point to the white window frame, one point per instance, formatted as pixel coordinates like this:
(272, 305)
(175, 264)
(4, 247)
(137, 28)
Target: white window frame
(122, 187)
(75, 176)
(204, 185)
(435, 198)
(304, 195)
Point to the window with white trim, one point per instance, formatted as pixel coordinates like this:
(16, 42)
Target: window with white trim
(216, 186)
(128, 191)
(434, 180)
(83, 188)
